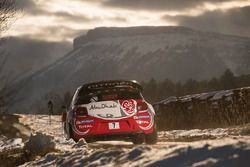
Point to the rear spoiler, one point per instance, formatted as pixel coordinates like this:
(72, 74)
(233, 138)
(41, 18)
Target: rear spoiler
(95, 86)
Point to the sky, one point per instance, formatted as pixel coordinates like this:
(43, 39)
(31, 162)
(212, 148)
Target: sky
(63, 20)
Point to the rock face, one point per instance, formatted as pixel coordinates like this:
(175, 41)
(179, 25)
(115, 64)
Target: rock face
(140, 53)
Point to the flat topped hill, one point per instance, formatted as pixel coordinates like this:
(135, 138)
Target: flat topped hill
(141, 53)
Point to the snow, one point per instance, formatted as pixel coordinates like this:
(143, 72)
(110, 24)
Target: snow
(225, 152)
(42, 124)
(169, 100)
(212, 96)
(146, 43)
(197, 147)
(8, 144)
(176, 39)
(221, 94)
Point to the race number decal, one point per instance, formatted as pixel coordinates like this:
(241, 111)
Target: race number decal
(114, 125)
(128, 106)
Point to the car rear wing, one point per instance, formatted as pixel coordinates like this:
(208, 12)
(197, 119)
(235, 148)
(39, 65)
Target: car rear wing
(102, 85)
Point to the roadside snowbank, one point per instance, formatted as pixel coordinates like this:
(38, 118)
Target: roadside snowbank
(224, 152)
(195, 148)
(15, 152)
(203, 134)
(8, 144)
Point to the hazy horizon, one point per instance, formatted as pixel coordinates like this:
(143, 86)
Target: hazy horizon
(63, 20)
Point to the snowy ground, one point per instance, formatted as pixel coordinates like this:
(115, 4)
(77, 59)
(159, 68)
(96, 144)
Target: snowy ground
(196, 148)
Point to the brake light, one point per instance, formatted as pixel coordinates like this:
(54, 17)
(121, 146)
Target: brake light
(142, 106)
(81, 111)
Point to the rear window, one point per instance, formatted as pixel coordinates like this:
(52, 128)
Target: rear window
(106, 95)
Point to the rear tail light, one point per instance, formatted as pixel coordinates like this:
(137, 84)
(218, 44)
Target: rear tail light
(142, 106)
(81, 111)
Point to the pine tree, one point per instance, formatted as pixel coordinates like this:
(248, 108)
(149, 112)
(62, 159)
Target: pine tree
(228, 80)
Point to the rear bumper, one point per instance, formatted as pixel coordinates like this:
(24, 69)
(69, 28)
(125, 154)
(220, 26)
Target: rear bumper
(86, 127)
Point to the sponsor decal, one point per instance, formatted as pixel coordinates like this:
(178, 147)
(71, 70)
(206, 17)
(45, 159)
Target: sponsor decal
(102, 106)
(151, 122)
(84, 121)
(112, 110)
(105, 110)
(83, 131)
(143, 116)
(85, 126)
(142, 122)
(128, 106)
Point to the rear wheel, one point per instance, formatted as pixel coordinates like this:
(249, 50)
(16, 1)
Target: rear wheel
(151, 138)
(90, 139)
(71, 133)
(138, 139)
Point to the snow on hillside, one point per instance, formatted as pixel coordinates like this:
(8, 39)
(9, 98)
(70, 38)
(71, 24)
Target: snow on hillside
(176, 40)
(139, 53)
(147, 43)
(208, 147)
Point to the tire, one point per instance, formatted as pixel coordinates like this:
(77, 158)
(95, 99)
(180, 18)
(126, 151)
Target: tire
(71, 134)
(65, 131)
(138, 139)
(151, 138)
(90, 140)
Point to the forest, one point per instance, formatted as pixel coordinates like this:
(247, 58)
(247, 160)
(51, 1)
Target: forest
(219, 102)
(155, 91)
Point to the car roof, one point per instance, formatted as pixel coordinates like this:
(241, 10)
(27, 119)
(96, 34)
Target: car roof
(102, 85)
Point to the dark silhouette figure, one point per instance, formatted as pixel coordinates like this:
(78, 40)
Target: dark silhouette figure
(50, 110)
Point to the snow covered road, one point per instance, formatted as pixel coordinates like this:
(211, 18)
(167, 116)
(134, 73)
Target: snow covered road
(208, 147)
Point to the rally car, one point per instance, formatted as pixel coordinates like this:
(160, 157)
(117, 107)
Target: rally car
(110, 110)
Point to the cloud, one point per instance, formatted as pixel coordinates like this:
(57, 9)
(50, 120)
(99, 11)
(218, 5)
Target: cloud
(24, 4)
(48, 21)
(161, 5)
(234, 21)
(72, 17)
(36, 11)
(54, 33)
(64, 19)
(65, 33)
(32, 9)
(29, 7)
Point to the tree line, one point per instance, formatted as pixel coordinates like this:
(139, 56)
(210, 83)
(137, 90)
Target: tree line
(156, 91)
